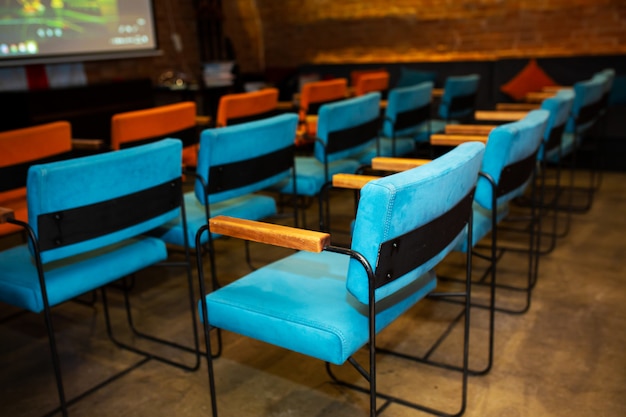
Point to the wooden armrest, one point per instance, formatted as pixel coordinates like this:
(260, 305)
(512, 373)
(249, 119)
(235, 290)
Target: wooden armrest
(478, 130)
(383, 104)
(517, 106)
(538, 96)
(384, 163)
(273, 234)
(285, 105)
(437, 92)
(555, 88)
(455, 140)
(203, 120)
(500, 116)
(88, 144)
(6, 214)
(352, 181)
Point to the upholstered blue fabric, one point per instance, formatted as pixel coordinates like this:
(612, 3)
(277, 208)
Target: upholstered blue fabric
(300, 303)
(314, 303)
(342, 115)
(81, 267)
(455, 86)
(401, 100)
(507, 144)
(399, 204)
(311, 172)
(78, 182)
(231, 144)
(71, 277)
(560, 107)
(586, 93)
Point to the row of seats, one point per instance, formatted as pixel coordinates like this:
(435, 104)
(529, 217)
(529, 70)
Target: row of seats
(112, 214)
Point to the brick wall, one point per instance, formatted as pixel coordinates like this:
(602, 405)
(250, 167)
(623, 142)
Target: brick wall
(286, 33)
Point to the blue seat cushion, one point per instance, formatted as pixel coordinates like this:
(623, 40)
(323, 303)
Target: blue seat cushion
(301, 303)
(71, 277)
(310, 175)
(250, 207)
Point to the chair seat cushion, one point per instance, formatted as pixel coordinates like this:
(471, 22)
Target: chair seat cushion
(310, 175)
(249, 207)
(71, 277)
(301, 303)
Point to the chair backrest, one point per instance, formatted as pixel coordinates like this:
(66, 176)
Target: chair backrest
(21, 148)
(245, 158)
(587, 104)
(316, 93)
(510, 158)
(609, 78)
(407, 109)
(560, 107)
(368, 83)
(143, 126)
(459, 96)
(88, 203)
(246, 107)
(346, 127)
(355, 75)
(408, 222)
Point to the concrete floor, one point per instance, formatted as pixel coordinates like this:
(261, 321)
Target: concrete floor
(564, 357)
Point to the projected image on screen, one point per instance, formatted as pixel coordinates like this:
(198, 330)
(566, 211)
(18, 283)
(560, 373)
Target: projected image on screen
(31, 28)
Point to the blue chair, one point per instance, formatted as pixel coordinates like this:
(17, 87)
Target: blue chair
(345, 129)
(458, 102)
(86, 223)
(405, 123)
(330, 302)
(234, 164)
(507, 171)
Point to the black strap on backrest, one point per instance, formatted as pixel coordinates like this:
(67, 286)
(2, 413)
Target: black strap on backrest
(404, 253)
(588, 113)
(251, 118)
(241, 173)
(464, 102)
(340, 140)
(79, 224)
(188, 136)
(412, 117)
(556, 135)
(516, 174)
(314, 107)
(14, 176)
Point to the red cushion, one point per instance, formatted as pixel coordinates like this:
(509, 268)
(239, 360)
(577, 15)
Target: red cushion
(530, 78)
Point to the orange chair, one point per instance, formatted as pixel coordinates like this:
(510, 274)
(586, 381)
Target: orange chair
(21, 148)
(369, 83)
(246, 107)
(138, 127)
(312, 97)
(355, 75)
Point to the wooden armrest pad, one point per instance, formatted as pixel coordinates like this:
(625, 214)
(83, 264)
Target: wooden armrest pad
(454, 140)
(203, 120)
(87, 144)
(273, 234)
(437, 92)
(285, 105)
(6, 214)
(517, 106)
(396, 164)
(352, 181)
(555, 88)
(538, 96)
(501, 116)
(478, 130)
